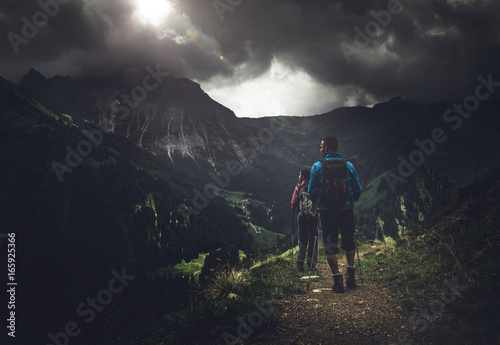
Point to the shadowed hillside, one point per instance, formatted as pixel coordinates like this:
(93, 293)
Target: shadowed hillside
(93, 200)
(82, 205)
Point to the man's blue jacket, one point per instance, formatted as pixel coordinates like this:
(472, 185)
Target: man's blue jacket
(316, 178)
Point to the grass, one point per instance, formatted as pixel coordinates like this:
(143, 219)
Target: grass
(228, 283)
(263, 239)
(232, 295)
(66, 119)
(370, 195)
(237, 197)
(273, 278)
(461, 244)
(192, 267)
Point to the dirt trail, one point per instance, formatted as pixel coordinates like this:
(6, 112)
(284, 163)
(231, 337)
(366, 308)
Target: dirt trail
(367, 314)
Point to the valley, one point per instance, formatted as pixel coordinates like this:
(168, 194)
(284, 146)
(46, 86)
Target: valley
(180, 189)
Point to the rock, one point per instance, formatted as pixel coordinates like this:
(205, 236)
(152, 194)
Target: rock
(309, 277)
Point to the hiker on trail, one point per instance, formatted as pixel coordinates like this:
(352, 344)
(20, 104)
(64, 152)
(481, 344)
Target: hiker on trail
(333, 187)
(308, 222)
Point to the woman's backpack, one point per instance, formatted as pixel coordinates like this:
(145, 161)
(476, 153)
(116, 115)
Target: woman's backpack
(306, 207)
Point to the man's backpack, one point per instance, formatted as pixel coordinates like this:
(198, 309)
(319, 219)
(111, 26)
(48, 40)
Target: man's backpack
(334, 191)
(305, 203)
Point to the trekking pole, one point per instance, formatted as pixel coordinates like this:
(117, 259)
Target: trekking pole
(321, 226)
(359, 264)
(312, 259)
(293, 226)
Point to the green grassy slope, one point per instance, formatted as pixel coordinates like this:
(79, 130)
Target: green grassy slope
(461, 246)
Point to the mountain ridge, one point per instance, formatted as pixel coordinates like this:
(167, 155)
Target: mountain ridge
(196, 137)
(121, 203)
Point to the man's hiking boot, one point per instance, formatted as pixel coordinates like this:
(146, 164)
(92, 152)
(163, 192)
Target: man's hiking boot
(300, 266)
(350, 281)
(338, 283)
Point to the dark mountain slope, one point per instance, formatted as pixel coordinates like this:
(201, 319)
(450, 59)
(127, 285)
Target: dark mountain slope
(61, 94)
(449, 269)
(376, 139)
(197, 138)
(117, 208)
(121, 204)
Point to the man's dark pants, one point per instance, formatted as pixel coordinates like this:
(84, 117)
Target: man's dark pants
(333, 220)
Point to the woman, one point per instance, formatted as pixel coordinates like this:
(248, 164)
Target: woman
(308, 222)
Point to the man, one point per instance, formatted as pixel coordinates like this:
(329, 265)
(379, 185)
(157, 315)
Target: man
(334, 218)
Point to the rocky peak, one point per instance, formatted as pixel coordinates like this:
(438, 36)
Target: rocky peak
(61, 94)
(33, 78)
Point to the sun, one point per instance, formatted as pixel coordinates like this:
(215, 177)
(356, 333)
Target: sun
(152, 12)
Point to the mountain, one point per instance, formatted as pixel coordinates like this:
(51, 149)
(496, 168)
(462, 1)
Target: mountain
(60, 94)
(180, 124)
(197, 138)
(83, 203)
(52, 155)
(102, 176)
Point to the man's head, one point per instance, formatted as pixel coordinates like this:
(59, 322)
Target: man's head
(329, 144)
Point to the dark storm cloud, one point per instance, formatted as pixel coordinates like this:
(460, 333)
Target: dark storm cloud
(91, 38)
(69, 28)
(428, 50)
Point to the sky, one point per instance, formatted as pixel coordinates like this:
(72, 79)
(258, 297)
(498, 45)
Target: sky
(263, 57)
